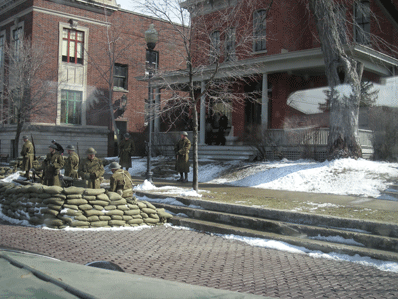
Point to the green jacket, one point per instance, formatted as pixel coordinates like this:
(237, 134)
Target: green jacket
(181, 150)
(51, 167)
(72, 165)
(120, 180)
(92, 171)
(126, 150)
(27, 153)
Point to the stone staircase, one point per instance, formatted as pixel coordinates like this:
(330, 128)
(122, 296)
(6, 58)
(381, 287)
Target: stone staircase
(314, 232)
(392, 192)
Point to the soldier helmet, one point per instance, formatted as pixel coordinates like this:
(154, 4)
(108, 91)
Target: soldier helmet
(91, 151)
(24, 137)
(52, 141)
(114, 165)
(53, 146)
(127, 135)
(70, 147)
(184, 133)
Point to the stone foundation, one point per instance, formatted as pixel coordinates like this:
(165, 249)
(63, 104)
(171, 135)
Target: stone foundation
(58, 207)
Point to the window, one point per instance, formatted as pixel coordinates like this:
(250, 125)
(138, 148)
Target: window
(362, 22)
(17, 35)
(72, 46)
(214, 53)
(259, 17)
(71, 107)
(230, 45)
(120, 76)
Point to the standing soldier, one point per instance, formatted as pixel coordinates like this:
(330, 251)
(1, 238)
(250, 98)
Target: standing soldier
(60, 149)
(181, 150)
(91, 169)
(120, 180)
(126, 150)
(51, 167)
(72, 163)
(27, 153)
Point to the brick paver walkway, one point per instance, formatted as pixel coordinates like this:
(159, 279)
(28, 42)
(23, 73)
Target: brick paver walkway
(206, 260)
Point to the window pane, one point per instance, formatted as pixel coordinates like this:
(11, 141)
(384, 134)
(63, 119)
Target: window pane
(80, 36)
(64, 48)
(65, 33)
(71, 103)
(72, 34)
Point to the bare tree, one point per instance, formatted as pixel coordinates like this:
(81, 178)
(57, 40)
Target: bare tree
(344, 73)
(211, 69)
(29, 85)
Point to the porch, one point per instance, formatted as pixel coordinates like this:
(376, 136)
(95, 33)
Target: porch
(292, 144)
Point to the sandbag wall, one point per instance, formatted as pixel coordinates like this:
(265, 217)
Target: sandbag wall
(59, 207)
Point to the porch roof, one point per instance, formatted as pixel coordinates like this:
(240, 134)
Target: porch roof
(303, 62)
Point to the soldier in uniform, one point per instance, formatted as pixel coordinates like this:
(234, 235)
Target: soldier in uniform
(27, 153)
(52, 164)
(126, 150)
(91, 169)
(181, 150)
(120, 180)
(60, 149)
(72, 163)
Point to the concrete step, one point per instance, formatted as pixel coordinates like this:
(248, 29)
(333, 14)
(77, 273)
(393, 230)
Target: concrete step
(217, 228)
(285, 228)
(375, 239)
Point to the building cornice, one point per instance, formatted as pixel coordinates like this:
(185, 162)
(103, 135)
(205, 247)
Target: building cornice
(54, 13)
(310, 60)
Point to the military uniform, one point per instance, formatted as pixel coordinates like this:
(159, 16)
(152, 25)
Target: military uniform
(92, 171)
(51, 167)
(126, 150)
(181, 150)
(121, 181)
(27, 153)
(72, 165)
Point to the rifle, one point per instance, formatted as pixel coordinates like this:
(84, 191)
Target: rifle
(34, 147)
(77, 148)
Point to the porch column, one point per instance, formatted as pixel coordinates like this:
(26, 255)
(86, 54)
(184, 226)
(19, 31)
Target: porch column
(202, 129)
(156, 127)
(264, 102)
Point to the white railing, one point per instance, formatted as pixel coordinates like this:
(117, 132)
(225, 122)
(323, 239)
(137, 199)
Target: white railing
(280, 137)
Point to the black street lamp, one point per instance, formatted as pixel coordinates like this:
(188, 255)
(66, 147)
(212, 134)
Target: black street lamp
(151, 38)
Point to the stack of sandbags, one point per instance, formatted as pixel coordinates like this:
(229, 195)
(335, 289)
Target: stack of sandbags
(6, 171)
(77, 207)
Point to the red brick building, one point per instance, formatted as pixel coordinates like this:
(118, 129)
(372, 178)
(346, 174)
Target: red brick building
(78, 34)
(283, 52)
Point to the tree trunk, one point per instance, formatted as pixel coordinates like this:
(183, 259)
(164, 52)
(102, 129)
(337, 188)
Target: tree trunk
(344, 76)
(195, 184)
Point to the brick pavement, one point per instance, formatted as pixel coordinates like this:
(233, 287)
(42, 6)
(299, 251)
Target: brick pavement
(202, 259)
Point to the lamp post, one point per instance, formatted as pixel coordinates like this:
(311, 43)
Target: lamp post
(151, 38)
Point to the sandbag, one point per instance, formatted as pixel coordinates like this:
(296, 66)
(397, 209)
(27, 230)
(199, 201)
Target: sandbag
(73, 190)
(53, 222)
(85, 207)
(132, 212)
(104, 218)
(97, 207)
(84, 224)
(93, 213)
(103, 197)
(149, 205)
(141, 205)
(114, 196)
(77, 201)
(52, 189)
(74, 207)
(93, 218)
(135, 221)
(110, 207)
(117, 217)
(74, 196)
(116, 222)
(99, 224)
(99, 202)
(149, 211)
(121, 201)
(151, 220)
(94, 191)
(81, 218)
(114, 212)
(123, 207)
(89, 197)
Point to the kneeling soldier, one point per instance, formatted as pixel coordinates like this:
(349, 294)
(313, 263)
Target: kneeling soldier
(120, 180)
(91, 169)
(51, 167)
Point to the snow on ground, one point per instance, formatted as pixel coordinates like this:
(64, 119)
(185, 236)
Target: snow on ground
(278, 245)
(343, 177)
